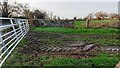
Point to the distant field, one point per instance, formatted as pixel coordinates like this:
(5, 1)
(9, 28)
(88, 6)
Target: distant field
(98, 23)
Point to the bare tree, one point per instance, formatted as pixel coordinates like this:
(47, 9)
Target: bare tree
(85, 18)
(59, 18)
(20, 10)
(40, 14)
(90, 16)
(54, 17)
(4, 8)
(101, 15)
(113, 16)
(15, 9)
(51, 15)
(75, 18)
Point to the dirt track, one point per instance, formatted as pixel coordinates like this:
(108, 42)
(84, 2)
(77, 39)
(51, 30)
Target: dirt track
(41, 43)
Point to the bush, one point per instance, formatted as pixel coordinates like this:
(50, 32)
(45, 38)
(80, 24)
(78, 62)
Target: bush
(103, 24)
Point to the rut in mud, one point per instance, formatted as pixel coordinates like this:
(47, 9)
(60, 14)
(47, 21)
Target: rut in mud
(58, 44)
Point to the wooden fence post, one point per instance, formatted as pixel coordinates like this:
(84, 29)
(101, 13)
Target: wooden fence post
(87, 23)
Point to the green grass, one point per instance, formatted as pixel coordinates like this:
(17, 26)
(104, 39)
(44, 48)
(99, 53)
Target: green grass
(22, 42)
(78, 31)
(78, 24)
(102, 60)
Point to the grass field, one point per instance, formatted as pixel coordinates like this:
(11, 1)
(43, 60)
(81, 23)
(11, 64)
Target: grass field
(78, 24)
(51, 35)
(108, 36)
(78, 30)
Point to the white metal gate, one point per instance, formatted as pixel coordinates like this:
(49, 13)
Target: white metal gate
(11, 32)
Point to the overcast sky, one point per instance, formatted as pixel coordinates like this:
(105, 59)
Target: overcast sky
(66, 0)
(71, 8)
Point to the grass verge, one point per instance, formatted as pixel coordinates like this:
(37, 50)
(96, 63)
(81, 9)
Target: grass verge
(78, 31)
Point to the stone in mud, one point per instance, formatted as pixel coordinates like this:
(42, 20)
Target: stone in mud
(115, 49)
(41, 47)
(39, 39)
(44, 48)
(68, 49)
(58, 49)
(74, 48)
(88, 47)
(53, 49)
(48, 49)
(108, 49)
(118, 49)
(65, 49)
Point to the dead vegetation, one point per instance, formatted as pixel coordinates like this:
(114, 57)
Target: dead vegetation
(102, 24)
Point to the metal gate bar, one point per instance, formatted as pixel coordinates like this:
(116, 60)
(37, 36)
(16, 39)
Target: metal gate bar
(11, 32)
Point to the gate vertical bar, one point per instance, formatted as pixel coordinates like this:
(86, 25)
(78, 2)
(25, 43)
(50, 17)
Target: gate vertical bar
(20, 26)
(13, 27)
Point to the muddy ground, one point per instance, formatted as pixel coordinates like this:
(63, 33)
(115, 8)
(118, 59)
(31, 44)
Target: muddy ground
(58, 44)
